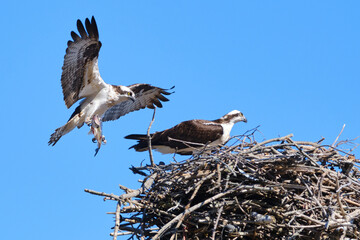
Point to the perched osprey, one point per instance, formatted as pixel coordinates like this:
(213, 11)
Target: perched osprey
(81, 79)
(188, 137)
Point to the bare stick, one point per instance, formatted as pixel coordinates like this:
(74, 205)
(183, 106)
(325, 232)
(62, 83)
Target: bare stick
(146, 185)
(217, 221)
(304, 153)
(338, 196)
(143, 224)
(333, 145)
(187, 143)
(149, 139)
(117, 219)
(272, 140)
(111, 196)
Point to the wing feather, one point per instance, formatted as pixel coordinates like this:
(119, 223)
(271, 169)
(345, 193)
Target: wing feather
(74, 36)
(146, 95)
(81, 29)
(80, 76)
(197, 131)
(193, 131)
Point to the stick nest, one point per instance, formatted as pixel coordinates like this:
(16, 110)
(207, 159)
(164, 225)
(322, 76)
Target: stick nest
(277, 189)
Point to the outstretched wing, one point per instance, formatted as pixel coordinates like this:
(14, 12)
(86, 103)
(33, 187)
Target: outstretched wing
(145, 96)
(80, 77)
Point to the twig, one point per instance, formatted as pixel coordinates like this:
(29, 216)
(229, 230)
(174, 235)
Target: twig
(187, 143)
(333, 145)
(111, 196)
(272, 140)
(338, 197)
(117, 219)
(304, 153)
(149, 139)
(217, 221)
(146, 185)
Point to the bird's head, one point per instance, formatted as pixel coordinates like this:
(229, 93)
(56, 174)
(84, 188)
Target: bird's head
(234, 116)
(125, 93)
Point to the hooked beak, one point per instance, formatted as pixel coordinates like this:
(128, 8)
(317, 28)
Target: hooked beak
(132, 98)
(244, 120)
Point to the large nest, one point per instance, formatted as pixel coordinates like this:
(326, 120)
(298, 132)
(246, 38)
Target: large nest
(276, 189)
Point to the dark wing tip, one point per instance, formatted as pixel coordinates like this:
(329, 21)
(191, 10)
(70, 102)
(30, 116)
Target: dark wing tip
(157, 102)
(81, 29)
(162, 98)
(94, 28)
(88, 27)
(74, 36)
(91, 28)
(165, 92)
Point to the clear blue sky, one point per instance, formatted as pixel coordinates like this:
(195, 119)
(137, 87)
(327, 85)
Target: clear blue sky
(289, 66)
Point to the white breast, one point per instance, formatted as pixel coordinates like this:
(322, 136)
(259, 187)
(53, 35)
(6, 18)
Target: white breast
(226, 132)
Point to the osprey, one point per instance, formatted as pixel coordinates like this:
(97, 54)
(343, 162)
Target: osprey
(81, 79)
(188, 137)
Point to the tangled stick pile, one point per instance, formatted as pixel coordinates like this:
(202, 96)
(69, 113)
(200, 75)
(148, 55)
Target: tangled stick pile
(277, 189)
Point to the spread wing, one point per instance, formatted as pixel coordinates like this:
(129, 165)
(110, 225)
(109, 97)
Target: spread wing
(145, 96)
(80, 77)
(196, 131)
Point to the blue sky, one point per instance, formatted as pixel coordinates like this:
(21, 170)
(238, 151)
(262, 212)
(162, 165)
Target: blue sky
(289, 66)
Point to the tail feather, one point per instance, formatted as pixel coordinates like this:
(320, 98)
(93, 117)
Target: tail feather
(61, 131)
(142, 144)
(137, 136)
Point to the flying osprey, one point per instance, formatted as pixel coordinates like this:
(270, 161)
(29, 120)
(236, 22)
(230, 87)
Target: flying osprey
(188, 137)
(81, 79)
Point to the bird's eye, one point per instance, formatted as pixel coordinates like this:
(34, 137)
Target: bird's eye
(129, 93)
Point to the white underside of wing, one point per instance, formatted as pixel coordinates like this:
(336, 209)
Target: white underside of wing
(92, 82)
(142, 100)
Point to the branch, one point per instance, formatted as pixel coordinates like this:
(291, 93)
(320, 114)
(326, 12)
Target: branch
(149, 139)
(333, 145)
(117, 220)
